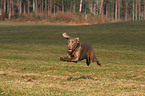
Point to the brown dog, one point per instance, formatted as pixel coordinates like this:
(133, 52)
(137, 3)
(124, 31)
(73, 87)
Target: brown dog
(78, 51)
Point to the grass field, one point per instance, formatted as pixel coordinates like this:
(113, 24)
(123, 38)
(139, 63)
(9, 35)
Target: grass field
(29, 60)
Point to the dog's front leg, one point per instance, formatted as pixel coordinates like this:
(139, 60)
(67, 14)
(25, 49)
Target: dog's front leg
(76, 57)
(71, 58)
(68, 58)
(74, 60)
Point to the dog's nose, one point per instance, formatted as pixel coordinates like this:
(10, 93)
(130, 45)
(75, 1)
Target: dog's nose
(68, 47)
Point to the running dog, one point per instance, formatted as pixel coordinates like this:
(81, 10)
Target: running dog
(78, 51)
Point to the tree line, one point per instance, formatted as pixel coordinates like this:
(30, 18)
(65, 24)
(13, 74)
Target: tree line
(87, 9)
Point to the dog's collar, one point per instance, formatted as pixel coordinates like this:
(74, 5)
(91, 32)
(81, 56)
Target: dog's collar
(75, 48)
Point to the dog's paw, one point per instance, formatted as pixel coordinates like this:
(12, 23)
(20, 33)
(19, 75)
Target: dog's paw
(62, 59)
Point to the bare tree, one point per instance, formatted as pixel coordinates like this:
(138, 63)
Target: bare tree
(28, 5)
(119, 3)
(42, 6)
(112, 10)
(62, 6)
(101, 8)
(74, 7)
(136, 12)
(36, 11)
(139, 10)
(54, 7)
(18, 5)
(144, 9)
(24, 7)
(80, 10)
(94, 8)
(34, 5)
(126, 11)
(1, 3)
(4, 6)
(20, 8)
(91, 7)
(10, 10)
(106, 11)
(48, 7)
(116, 10)
(45, 6)
(70, 6)
(13, 8)
(133, 11)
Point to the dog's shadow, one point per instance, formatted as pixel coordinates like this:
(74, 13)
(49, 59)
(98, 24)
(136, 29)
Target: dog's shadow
(81, 77)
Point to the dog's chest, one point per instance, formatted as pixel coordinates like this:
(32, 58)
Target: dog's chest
(75, 52)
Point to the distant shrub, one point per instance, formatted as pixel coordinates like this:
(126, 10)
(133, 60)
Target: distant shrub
(63, 17)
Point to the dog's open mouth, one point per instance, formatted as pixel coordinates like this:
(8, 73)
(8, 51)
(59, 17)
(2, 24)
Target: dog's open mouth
(70, 50)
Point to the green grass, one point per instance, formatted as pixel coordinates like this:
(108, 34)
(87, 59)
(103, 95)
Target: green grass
(29, 60)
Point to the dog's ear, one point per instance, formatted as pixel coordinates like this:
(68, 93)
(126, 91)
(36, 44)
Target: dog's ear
(78, 40)
(65, 36)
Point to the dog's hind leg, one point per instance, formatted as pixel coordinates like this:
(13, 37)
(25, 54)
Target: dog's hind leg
(93, 57)
(88, 61)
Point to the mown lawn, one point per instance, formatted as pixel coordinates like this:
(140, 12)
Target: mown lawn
(29, 60)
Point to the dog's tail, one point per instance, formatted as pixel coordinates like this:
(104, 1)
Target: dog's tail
(98, 63)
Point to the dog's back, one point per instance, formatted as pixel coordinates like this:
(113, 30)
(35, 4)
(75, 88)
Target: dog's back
(87, 51)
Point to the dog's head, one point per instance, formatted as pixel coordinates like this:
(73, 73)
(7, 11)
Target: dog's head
(72, 42)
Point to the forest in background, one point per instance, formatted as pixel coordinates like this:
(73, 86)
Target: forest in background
(72, 11)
